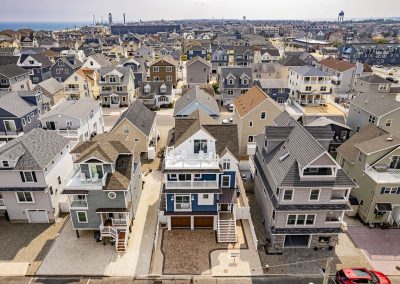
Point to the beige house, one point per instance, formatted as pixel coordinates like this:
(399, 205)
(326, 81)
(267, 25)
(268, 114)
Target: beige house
(139, 123)
(82, 83)
(253, 111)
(371, 158)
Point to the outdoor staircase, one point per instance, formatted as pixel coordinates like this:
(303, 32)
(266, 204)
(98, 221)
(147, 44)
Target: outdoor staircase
(226, 229)
(122, 241)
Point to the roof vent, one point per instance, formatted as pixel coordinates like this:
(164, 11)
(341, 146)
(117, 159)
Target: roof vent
(390, 138)
(282, 158)
(366, 102)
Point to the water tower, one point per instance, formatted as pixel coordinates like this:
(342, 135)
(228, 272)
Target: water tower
(341, 16)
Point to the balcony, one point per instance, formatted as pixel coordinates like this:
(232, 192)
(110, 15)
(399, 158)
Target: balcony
(76, 203)
(2, 203)
(67, 133)
(73, 90)
(78, 181)
(191, 184)
(181, 160)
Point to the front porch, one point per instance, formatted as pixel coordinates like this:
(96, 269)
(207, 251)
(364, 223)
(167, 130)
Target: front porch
(115, 225)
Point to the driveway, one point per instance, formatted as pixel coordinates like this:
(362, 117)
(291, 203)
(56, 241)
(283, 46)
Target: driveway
(381, 247)
(85, 256)
(24, 246)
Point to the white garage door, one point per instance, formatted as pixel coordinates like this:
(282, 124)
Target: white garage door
(38, 216)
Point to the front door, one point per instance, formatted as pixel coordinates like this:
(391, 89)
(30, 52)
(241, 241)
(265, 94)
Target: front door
(225, 207)
(114, 100)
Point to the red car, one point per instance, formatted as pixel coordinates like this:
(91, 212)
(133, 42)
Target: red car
(361, 275)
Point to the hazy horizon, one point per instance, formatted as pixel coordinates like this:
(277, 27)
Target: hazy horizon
(83, 11)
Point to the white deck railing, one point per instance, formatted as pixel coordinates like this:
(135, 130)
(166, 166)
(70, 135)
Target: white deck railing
(191, 184)
(384, 176)
(119, 222)
(68, 133)
(176, 160)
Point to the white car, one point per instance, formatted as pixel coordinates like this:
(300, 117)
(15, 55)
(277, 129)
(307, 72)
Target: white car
(230, 107)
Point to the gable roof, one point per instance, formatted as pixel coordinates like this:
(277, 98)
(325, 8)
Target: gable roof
(226, 135)
(196, 94)
(374, 79)
(336, 64)
(40, 57)
(51, 85)
(198, 58)
(74, 108)
(291, 61)
(12, 70)
(14, 104)
(368, 133)
(140, 116)
(248, 101)
(101, 59)
(167, 59)
(376, 104)
(34, 150)
(310, 71)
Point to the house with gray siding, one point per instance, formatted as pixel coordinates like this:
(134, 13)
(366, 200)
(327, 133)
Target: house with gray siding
(233, 82)
(200, 172)
(104, 191)
(196, 98)
(156, 93)
(302, 191)
(34, 169)
(64, 67)
(19, 112)
(14, 78)
(198, 71)
(380, 109)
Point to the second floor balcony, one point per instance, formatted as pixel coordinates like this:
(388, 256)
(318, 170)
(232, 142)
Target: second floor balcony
(81, 180)
(383, 174)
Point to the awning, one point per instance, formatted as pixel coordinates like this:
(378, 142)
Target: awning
(384, 207)
(71, 191)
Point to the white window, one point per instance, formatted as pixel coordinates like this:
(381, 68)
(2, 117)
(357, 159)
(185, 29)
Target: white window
(323, 89)
(245, 81)
(156, 69)
(230, 81)
(371, 118)
(136, 139)
(314, 194)
(288, 195)
(205, 196)
(229, 92)
(226, 181)
(250, 123)
(300, 220)
(226, 164)
(25, 197)
(119, 89)
(169, 69)
(263, 115)
(388, 122)
(308, 88)
(169, 78)
(394, 162)
(250, 139)
(28, 176)
(28, 118)
(23, 121)
(126, 129)
(32, 114)
(182, 202)
(81, 216)
(69, 123)
(113, 79)
(105, 99)
(5, 164)
(9, 125)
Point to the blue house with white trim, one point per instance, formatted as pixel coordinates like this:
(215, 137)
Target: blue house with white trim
(200, 174)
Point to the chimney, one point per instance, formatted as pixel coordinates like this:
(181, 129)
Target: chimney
(124, 18)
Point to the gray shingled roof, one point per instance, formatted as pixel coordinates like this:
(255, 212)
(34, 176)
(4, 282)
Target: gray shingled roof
(14, 104)
(374, 79)
(11, 70)
(123, 70)
(196, 95)
(375, 104)
(51, 85)
(36, 149)
(74, 108)
(310, 71)
(140, 116)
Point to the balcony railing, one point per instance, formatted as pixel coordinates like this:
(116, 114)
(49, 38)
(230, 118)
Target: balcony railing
(78, 181)
(177, 160)
(67, 133)
(2, 202)
(119, 222)
(71, 90)
(191, 184)
(383, 174)
(78, 204)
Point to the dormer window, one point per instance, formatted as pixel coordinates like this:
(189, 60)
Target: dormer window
(231, 81)
(113, 79)
(147, 88)
(245, 81)
(5, 164)
(318, 171)
(163, 88)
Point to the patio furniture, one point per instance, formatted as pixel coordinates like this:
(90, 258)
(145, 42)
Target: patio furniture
(83, 177)
(95, 178)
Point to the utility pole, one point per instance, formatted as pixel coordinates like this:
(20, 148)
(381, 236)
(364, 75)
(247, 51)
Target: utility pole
(327, 269)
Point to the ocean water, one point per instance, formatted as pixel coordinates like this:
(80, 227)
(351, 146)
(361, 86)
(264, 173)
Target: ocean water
(37, 26)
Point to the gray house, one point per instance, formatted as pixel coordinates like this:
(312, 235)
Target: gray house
(156, 93)
(196, 98)
(105, 189)
(14, 78)
(381, 109)
(64, 67)
(302, 191)
(33, 171)
(233, 82)
(198, 71)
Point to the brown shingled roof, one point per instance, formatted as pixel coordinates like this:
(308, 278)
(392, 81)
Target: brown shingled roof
(249, 100)
(336, 64)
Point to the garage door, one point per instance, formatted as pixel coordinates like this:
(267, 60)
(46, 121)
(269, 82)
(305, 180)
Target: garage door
(296, 241)
(38, 216)
(180, 222)
(203, 222)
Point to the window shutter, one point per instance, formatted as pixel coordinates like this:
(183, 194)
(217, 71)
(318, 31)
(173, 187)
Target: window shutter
(398, 190)
(34, 176)
(22, 176)
(382, 190)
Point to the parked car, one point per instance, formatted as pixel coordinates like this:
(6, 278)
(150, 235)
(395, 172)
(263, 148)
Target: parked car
(393, 80)
(227, 120)
(361, 275)
(230, 107)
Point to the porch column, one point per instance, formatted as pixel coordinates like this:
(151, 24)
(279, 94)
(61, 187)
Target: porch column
(215, 222)
(192, 222)
(169, 223)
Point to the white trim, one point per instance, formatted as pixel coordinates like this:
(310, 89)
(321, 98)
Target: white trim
(283, 195)
(77, 217)
(222, 181)
(29, 219)
(25, 202)
(319, 194)
(190, 203)
(305, 219)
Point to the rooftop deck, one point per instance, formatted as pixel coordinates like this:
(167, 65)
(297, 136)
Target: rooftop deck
(181, 160)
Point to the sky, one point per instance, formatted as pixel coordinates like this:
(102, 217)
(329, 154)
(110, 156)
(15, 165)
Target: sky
(82, 10)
